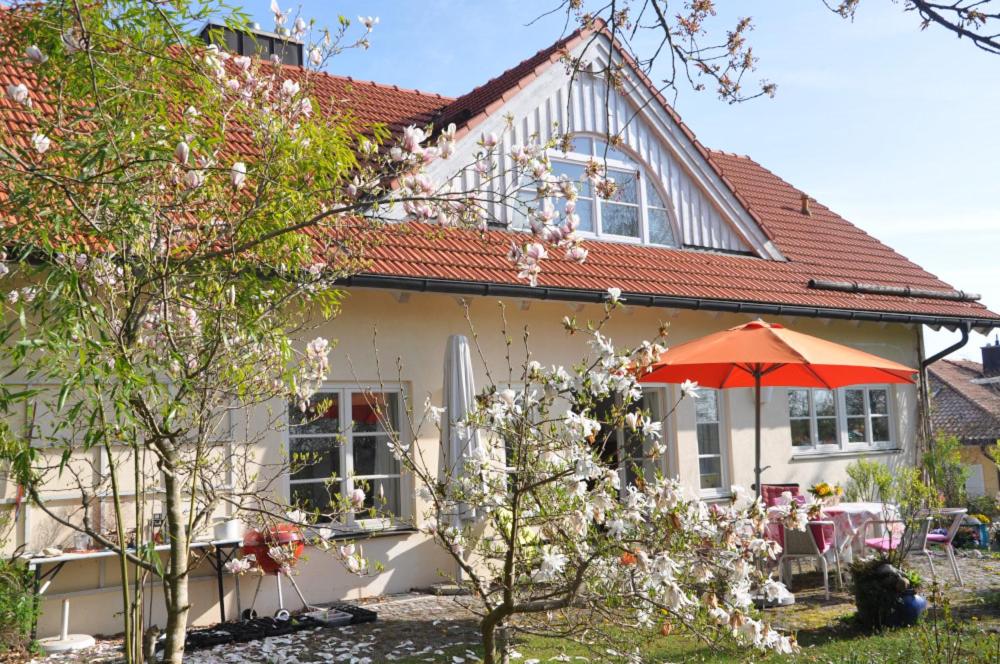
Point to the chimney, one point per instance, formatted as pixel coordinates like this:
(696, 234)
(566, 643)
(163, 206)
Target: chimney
(805, 205)
(253, 41)
(991, 359)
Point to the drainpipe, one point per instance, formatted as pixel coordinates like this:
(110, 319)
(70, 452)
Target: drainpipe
(925, 392)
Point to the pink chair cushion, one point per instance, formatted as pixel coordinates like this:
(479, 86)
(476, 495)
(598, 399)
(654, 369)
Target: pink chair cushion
(882, 543)
(771, 492)
(823, 536)
(937, 538)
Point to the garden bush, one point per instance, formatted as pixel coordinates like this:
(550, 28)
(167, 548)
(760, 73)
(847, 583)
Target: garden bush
(17, 607)
(870, 481)
(945, 470)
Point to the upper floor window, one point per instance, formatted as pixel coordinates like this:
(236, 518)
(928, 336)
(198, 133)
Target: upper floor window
(844, 419)
(637, 211)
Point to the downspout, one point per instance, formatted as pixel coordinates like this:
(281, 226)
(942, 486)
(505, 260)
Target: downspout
(925, 392)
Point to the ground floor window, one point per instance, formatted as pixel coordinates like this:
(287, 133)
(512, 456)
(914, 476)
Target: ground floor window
(712, 470)
(844, 419)
(340, 443)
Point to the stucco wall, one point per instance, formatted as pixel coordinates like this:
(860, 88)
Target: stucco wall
(414, 328)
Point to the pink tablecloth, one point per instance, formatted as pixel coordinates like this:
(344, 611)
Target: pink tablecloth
(849, 518)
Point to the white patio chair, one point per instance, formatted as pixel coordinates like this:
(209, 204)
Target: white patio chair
(800, 544)
(894, 534)
(956, 514)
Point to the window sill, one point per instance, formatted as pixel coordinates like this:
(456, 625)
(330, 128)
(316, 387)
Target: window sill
(715, 496)
(812, 456)
(347, 534)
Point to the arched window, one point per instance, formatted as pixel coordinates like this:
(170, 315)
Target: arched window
(637, 212)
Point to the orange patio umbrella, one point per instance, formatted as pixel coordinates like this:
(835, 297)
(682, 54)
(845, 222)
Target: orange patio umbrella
(760, 354)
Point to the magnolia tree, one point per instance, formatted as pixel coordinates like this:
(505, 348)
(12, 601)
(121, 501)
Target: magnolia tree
(574, 534)
(173, 219)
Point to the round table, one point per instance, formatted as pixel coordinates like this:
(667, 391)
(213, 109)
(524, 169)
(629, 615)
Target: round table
(849, 519)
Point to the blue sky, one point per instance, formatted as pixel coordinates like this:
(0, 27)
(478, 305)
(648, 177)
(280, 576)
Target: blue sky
(894, 128)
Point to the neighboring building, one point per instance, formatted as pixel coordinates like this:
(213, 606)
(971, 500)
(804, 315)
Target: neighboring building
(965, 402)
(703, 239)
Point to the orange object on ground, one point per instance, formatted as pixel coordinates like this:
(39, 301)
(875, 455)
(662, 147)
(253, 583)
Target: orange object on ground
(760, 354)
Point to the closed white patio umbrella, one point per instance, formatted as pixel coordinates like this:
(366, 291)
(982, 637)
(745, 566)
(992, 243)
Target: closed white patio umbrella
(458, 443)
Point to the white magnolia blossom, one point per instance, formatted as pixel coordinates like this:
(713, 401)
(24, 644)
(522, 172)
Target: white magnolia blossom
(368, 21)
(238, 175)
(614, 295)
(40, 142)
(689, 388)
(182, 152)
(18, 93)
(357, 498)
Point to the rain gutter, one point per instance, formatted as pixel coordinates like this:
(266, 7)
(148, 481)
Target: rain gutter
(488, 289)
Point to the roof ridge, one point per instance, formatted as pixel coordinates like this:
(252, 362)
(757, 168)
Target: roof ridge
(362, 81)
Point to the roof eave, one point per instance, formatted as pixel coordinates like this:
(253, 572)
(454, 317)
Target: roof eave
(495, 289)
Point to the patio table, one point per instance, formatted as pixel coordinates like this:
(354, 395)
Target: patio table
(850, 518)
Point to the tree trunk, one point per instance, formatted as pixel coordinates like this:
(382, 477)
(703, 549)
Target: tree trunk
(176, 581)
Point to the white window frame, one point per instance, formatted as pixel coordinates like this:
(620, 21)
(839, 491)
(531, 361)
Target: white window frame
(643, 175)
(346, 451)
(724, 445)
(843, 443)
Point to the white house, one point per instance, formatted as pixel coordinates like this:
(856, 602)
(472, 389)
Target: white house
(699, 238)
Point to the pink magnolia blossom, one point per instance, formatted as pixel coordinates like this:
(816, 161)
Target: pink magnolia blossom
(182, 152)
(357, 498)
(35, 54)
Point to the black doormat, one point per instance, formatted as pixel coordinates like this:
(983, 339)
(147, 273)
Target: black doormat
(358, 614)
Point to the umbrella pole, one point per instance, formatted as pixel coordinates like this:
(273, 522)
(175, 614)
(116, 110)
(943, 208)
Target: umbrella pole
(756, 387)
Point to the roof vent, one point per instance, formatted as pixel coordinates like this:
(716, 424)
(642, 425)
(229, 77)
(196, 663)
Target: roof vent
(991, 359)
(253, 41)
(805, 205)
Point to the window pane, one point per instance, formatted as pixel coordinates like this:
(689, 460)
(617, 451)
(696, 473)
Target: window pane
(798, 403)
(855, 401)
(653, 198)
(708, 439)
(619, 219)
(315, 458)
(706, 406)
(711, 472)
(372, 456)
(381, 495)
(879, 401)
(582, 145)
(880, 429)
(585, 210)
(801, 433)
(574, 172)
(605, 151)
(321, 416)
(857, 430)
(660, 231)
(370, 411)
(826, 430)
(826, 403)
(627, 187)
(314, 496)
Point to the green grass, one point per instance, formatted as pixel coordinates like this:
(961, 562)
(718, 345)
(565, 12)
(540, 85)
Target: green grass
(835, 643)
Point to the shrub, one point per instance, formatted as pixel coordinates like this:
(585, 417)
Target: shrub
(870, 481)
(945, 470)
(985, 505)
(17, 607)
(878, 586)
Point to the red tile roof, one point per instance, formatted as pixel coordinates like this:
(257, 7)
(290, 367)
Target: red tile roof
(962, 408)
(823, 245)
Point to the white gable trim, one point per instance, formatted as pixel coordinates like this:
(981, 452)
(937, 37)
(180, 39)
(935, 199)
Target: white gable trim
(703, 204)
